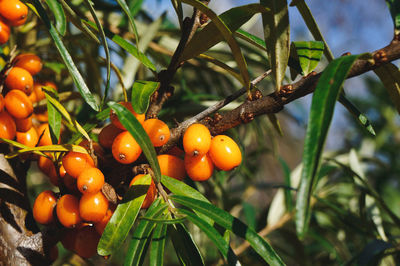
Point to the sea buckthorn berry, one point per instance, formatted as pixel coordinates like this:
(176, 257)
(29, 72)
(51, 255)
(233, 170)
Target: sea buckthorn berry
(32, 97)
(225, 153)
(125, 149)
(4, 31)
(157, 130)
(42, 117)
(7, 126)
(44, 135)
(44, 206)
(98, 150)
(18, 22)
(199, 168)
(108, 134)
(46, 165)
(13, 10)
(29, 62)
(100, 226)
(28, 138)
(90, 181)
(70, 183)
(172, 166)
(93, 207)
(75, 163)
(18, 104)
(151, 192)
(24, 124)
(128, 105)
(1, 102)
(37, 90)
(68, 211)
(86, 242)
(19, 79)
(197, 140)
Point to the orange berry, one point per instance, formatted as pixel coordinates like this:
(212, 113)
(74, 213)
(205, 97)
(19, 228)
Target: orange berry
(18, 104)
(68, 211)
(44, 131)
(90, 181)
(199, 168)
(125, 149)
(75, 162)
(7, 126)
(24, 124)
(4, 31)
(151, 192)
(19, 79)
(108, 134)
(86, 242)
(32, 97)
(225, 153)
(46, 165)
(98, 150)
(41, 117)
(29, 62)
(44, 206)
(1, 102)
(37, 89)
(197, 140)
(101, 225)
(18, 22)
(28, 138)
(172, 166)
(128, 105)
(157, 130)
(93, 207)
(13, 10)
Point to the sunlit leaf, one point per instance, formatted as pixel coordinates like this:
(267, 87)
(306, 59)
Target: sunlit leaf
(58, 12)
(158, 245)
(141, 93)
(53, 115)
(309, 54)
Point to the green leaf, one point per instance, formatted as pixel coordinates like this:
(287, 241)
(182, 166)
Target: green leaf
(41, 149)
(58, 12)
(129, 121)
(165, 221)
(126, 10)
(389, 74)
(275, 123)
(158, 245)
(53, 115)
(213, 235)
(224, 66)
(186, 249)
(394, 7)
(142, 234)
(322, 107)
(288, 193)
(124, 217)
(73, 70)
(250, 38)
(277, 37)
(309, 54)
(141, 93)
(234, 225)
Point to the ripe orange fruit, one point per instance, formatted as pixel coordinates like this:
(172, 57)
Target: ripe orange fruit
(29, 62)
(100, 226)
(19, 79)
(199, 168)
(24, 124)
(13, 10)
(90, 181)
(172, 166)
(7, 126)
(42, 117)
(108, 134)
(128, 105)
(196, 140)
(44, 131)
(86, 241)
(68, 211)
(28, 138)
(225, 153)
(93, 207)
(46, 165)
(125, 149)
(70, 183)
(98, 150)
(44, 206)
(18, 104)
(75, 162)
(157, 130)
(151, 192)
(4, 31)
(1, 102)
(37, 89)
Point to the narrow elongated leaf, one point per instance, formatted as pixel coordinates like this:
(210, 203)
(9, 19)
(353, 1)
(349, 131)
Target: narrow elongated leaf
(277, 37)
(309, 54)
(288, 193)
(178, 9)
(214, 236)
(165, 221)
(252, 39)
(49, 148)
(129, 121)
(389, 74)
(216, 62)
(394, 7)
(58, 12)
(53, 115)
(142, 234)
(124, 217)
(323, 104)
(186, 249)
(141, 93)
(234, 225)
(157, 245)
(73, 70)
(126, 10)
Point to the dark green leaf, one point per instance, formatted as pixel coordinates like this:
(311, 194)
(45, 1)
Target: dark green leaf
(250, 38)
(309, 54)
(141, 93)
(394, 7)
(234, 225)
(288, 193)
(389, 74)
(250, 214)
(53, 115)
(124, 217)
(322, 107)
(214, 235)
(129, 121)
(58, 12)
(277, 37)
(165, 221)
(157, 245)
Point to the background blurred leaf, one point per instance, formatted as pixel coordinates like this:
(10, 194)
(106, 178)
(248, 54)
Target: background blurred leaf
(389, 74)
(394, 7)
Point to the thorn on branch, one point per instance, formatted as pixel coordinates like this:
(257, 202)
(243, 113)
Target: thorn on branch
(380, 57)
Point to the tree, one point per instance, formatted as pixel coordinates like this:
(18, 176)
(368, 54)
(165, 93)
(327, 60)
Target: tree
(335, 208)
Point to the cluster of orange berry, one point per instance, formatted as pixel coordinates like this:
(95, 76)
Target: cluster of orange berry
(12, 13)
